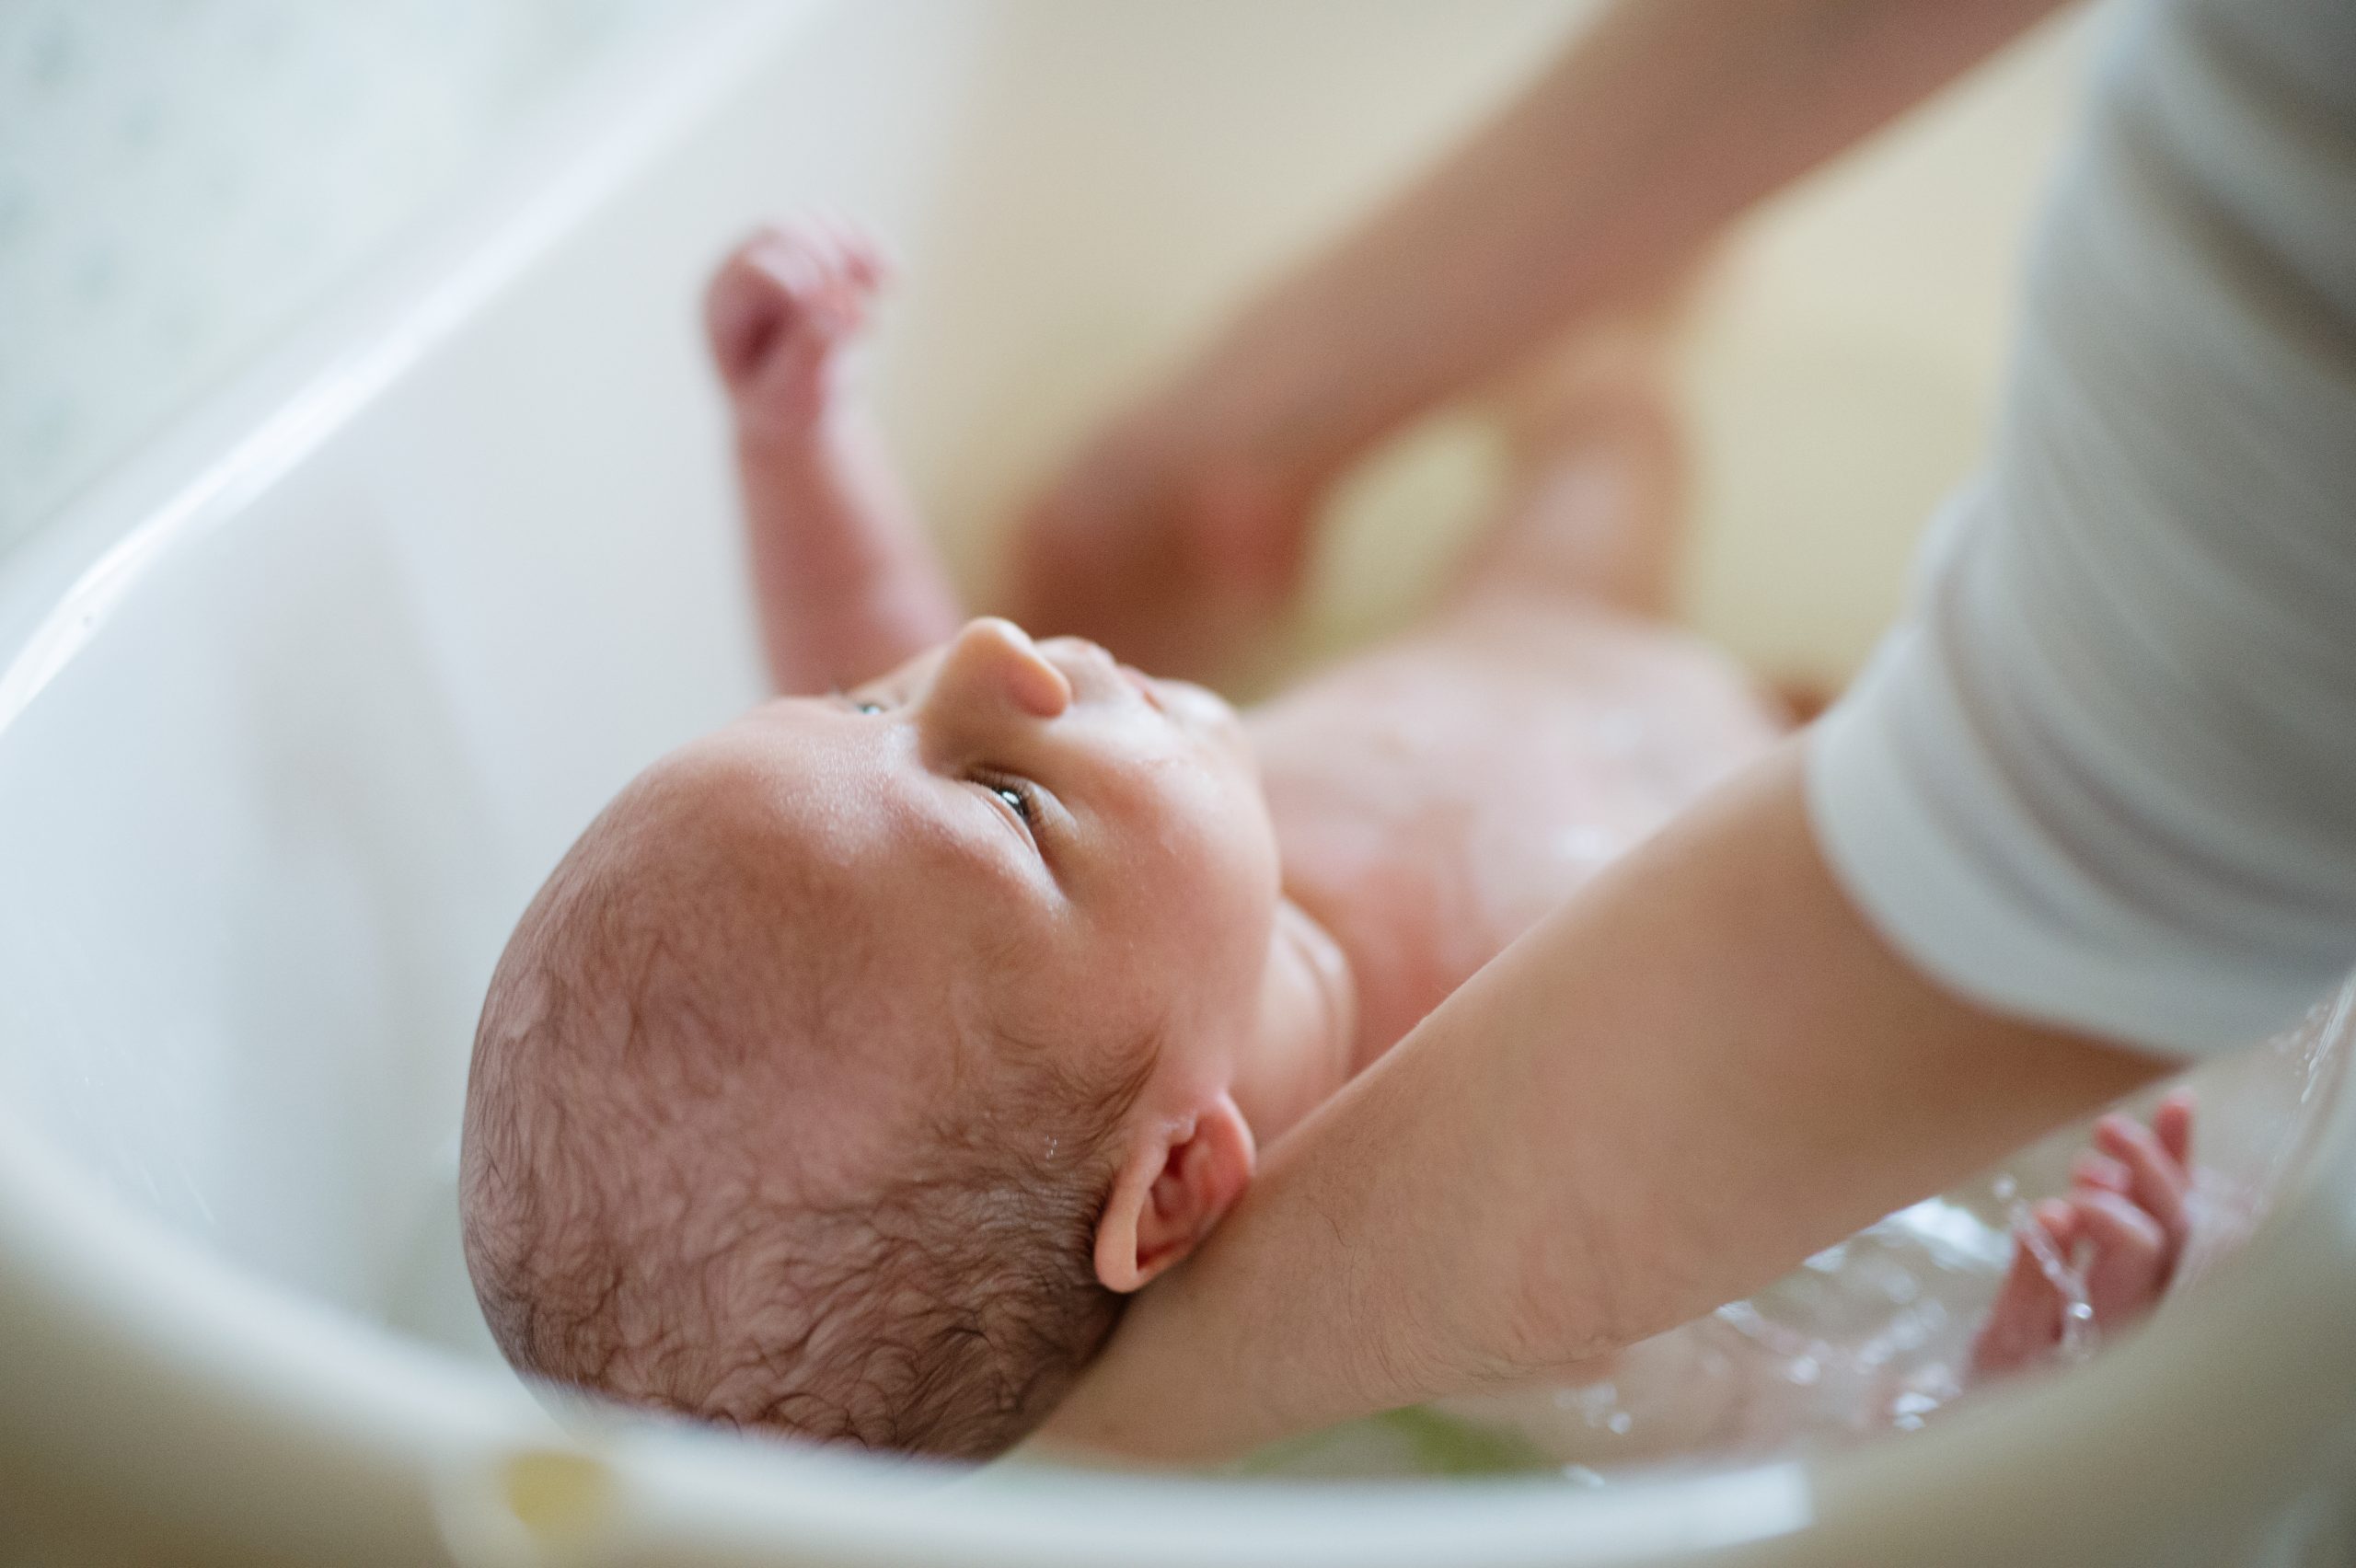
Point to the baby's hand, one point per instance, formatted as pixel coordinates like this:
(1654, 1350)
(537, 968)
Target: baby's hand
(777, 312)
(2126, 1215)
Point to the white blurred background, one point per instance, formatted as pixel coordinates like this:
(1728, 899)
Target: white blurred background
(184, 181)
(180, 180)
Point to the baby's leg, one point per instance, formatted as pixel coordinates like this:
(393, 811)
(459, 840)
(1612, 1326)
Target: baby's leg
(847, 584)
(2127, 1212)
(1594, 510)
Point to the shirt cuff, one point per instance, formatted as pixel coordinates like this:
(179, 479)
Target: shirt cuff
(1939, 852)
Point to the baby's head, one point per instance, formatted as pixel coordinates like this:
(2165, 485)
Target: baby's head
(859, 1055)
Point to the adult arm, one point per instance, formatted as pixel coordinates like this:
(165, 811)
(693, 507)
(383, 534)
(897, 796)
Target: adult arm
(2101, 786)
(2105, 772)
(1704, 1068)
(1665, 121)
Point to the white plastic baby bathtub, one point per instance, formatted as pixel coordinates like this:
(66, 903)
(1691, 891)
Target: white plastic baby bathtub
(297, 710)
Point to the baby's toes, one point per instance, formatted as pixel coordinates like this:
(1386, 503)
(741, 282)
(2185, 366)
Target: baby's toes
(2131, 1260)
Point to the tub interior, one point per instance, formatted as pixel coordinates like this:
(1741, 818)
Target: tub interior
(278, 784)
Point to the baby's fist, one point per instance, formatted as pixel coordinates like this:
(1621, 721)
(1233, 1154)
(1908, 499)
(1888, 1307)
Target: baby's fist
(777, 312)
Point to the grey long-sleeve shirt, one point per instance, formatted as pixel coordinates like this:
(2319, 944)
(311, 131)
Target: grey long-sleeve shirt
(2104, 774)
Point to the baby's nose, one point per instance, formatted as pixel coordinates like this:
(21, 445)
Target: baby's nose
(993, 663)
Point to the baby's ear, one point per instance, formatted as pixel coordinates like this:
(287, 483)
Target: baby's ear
(1174, 1183)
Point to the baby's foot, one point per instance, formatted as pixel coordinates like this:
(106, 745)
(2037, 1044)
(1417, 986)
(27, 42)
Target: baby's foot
(2126, 1218)
(778, 313)
(1595, 508)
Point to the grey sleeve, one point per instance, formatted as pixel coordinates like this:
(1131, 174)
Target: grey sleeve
(2104, 772)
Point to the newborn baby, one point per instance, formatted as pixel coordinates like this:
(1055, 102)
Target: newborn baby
(863, 1055)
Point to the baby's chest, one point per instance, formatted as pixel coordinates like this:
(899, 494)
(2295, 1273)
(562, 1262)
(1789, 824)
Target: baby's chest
(1437, 799)
(1458, 811)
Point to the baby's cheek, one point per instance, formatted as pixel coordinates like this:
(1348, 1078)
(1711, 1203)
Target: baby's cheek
(1233, 882)
(1195, 866)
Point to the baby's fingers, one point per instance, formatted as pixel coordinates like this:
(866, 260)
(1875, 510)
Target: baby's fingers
(2132, 1257)
(742, 309)
(2024, 1321)
(2158, 1181)
(2095, 1169)
(2172, 1125)
(861, 253)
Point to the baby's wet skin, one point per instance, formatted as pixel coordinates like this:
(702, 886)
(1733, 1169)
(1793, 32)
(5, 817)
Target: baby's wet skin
(1436, 799)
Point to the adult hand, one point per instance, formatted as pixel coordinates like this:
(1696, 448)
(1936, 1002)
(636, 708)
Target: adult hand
(1181, 525)
(1176, 536)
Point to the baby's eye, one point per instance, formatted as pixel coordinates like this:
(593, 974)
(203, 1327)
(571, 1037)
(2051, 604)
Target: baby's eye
(1030, 805)
(866, 705)
(1018, 795)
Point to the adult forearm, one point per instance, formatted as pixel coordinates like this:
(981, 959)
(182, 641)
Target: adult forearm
(1662, 123)
(1702, 1070)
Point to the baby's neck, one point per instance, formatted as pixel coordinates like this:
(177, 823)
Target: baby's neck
(1307, 1027)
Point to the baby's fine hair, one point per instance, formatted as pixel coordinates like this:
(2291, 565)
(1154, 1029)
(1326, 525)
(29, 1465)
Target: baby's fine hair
(642, 1218)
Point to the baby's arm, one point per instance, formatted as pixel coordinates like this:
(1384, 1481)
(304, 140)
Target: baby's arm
(849, 585)
(2127, 1215)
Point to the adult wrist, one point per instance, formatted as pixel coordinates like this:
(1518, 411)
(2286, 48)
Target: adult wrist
(1288, 409)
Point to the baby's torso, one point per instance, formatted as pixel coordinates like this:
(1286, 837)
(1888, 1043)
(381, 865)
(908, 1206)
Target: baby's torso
(1436, 797)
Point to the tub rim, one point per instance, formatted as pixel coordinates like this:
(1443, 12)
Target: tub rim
(86, 1276)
